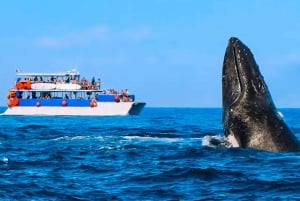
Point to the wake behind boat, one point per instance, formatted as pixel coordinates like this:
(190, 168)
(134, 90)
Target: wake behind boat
(66, 94)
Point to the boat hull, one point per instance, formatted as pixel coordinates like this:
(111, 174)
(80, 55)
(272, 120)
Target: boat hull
(101, 109)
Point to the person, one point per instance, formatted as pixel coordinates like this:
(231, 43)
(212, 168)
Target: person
(68, 80)
(84, 83)
(98, 83)
(125, 95)
(34, 95)
(93, 83)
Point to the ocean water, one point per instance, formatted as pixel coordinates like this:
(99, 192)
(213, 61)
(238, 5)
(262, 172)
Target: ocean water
(158, 155)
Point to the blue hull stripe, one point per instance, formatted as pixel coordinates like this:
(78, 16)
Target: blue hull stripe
(54, 102)
(70, 102)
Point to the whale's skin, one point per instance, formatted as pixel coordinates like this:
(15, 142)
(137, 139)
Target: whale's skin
(250, 118)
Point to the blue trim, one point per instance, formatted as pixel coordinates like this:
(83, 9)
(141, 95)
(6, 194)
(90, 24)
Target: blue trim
(110, 97)
(70, 102)
(105, 98)
(55, 102)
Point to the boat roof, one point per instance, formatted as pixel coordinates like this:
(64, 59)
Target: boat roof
(67, 73)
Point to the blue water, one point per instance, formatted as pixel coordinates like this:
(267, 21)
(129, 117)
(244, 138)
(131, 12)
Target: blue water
(157, 155)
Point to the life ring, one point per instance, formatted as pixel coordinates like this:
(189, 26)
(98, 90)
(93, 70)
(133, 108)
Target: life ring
(117, 98)
(13, 102)
(93, 103)
(64, 103)
(38, 104)
(23, 84)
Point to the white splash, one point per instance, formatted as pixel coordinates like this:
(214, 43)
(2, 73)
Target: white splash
(212, 141)
(148, 138)
(232, 141)
(5, 159)
(280, 115)
(219, 141)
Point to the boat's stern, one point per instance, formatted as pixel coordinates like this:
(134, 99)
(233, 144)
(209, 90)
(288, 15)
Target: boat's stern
(136, 108)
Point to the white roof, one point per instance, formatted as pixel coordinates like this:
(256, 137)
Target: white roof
(71, 72)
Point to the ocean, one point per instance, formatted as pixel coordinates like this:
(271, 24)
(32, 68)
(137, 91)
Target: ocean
(158, 155)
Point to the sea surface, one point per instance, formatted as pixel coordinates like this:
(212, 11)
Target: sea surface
(158, 155)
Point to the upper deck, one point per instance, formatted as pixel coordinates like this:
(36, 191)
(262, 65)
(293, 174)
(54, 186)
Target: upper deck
(69, 80)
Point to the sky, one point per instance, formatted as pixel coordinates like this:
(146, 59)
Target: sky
(169, 53)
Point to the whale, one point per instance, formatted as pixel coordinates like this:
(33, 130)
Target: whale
(249, 116)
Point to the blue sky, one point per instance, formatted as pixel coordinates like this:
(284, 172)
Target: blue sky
(167, 52)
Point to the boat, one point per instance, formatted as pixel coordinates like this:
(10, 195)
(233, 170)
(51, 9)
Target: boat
(67, 94)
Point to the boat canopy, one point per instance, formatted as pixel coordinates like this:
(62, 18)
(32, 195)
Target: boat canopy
(67, 73)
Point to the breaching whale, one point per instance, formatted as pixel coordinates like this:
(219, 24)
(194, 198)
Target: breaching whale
(250, 118)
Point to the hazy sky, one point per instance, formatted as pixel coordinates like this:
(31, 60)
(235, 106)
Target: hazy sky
(167, 52)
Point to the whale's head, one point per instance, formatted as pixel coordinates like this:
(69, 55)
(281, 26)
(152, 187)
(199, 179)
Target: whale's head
(242, 82)
(250, 118)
